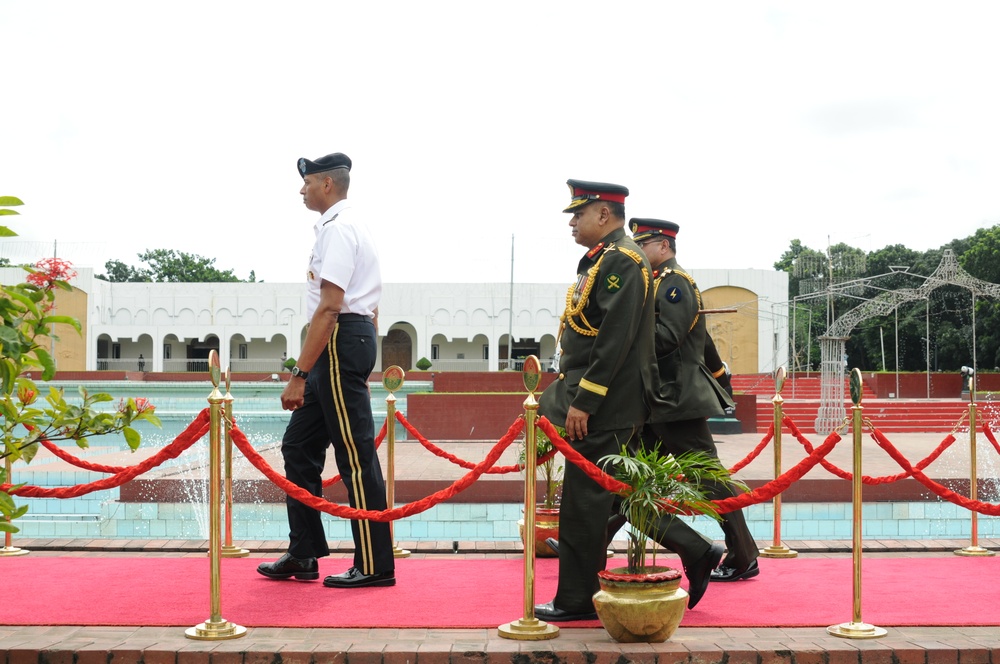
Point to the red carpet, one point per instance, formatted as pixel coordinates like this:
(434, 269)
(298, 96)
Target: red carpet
(462, 593)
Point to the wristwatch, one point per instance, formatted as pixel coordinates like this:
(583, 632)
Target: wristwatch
(300, 373)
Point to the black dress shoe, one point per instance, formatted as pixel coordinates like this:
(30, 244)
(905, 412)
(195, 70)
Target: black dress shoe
(699, 573)
(549, 613)
(726, 573)
(285, 567)
(353, 578)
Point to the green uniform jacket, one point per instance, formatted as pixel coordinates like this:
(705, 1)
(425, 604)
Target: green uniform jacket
(687, 390)
(606, 336)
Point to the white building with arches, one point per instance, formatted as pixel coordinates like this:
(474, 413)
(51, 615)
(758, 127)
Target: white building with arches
(169, 327)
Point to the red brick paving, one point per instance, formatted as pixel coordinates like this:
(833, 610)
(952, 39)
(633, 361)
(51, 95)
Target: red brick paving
(163, 645)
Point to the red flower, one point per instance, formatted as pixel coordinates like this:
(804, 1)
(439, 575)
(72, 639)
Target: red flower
(50, 270)
(142, 404)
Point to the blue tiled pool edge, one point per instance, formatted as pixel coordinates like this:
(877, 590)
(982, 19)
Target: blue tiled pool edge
(102, 516)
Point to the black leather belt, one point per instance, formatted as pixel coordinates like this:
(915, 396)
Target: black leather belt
(353, 318)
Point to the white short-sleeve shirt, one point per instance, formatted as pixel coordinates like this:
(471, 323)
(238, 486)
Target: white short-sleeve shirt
(345, 255)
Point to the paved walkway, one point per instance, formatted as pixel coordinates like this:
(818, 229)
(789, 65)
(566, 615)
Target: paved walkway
(160, 645)
(149, 645)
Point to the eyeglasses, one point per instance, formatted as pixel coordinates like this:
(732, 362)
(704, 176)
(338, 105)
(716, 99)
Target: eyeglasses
(649, 241)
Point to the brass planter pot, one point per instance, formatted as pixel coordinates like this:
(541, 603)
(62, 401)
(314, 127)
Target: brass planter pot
(640, 608)
(546, 525)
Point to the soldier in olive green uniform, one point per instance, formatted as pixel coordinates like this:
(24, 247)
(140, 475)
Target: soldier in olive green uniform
(600, 397)
(688, 393)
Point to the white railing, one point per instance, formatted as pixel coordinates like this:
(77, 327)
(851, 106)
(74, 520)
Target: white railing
(123, 364)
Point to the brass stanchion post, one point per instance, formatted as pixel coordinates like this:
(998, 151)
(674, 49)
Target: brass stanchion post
(529, 628)
(856, 629)
(973, 549)
(228, 549)
(8, 538)
(216, 627)
(777, 549)
(392, 380)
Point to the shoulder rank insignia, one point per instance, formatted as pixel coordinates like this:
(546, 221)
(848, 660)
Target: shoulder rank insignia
(673, 295)
(596, 250)
(612, 283)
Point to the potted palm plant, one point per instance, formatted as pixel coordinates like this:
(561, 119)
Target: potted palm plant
(643, 602)
(547, 508)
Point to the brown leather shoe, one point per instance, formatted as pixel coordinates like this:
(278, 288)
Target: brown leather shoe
(286, 567)
(353, 578)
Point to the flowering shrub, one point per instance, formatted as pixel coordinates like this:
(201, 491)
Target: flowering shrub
(50, 270)
(26, 313)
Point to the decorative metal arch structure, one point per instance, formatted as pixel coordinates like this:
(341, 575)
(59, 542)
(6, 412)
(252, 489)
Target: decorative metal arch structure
(831, 405)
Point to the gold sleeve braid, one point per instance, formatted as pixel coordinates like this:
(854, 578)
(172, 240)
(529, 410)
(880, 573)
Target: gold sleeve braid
(576, 310)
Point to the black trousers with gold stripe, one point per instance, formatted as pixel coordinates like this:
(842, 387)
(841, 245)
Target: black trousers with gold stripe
(337, 411)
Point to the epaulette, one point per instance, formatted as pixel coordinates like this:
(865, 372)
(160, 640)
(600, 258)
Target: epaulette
(634, 255)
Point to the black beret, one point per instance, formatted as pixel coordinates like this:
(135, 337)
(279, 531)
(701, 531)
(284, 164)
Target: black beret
(645, 229)
(327, 163)
(585, 192)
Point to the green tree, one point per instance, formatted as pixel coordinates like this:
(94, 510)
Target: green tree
(170, 265)
(801, 263)
(872, 345)
(982, 260)
(119, 272)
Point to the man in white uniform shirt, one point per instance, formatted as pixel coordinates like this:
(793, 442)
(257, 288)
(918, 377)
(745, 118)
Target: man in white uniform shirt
(328, 391)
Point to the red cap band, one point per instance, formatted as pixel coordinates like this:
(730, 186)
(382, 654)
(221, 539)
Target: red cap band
(600, 195)
(654, 229)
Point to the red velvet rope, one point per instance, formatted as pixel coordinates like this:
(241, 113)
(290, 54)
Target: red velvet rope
(378, 441)
(437, 451)
(323, 505)
(780, 483)
(990, 436)
(194, 432)
(100, 468)
(943, 492)
(866, 479)
(756, 451)
(577, 459)
(77, 461)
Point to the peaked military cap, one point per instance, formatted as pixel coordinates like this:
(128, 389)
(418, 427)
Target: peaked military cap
(646, 229)
(327, 163)
(586, 192)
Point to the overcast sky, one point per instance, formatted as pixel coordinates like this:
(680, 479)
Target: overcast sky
(136, 125)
